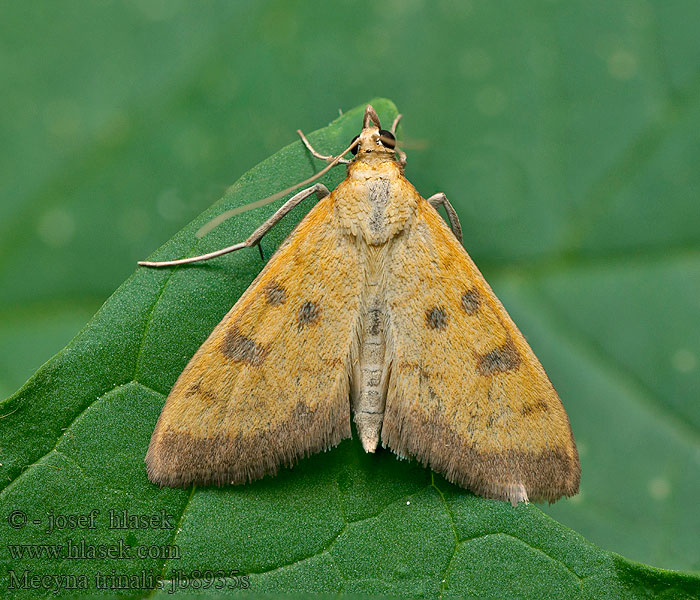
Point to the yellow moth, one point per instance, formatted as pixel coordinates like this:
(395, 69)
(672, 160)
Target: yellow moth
(371, 302)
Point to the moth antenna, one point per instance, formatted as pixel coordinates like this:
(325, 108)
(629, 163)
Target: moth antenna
(395, 124)
(311, 149)
(216, 221)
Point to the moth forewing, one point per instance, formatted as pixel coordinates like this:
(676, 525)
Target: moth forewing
(270, 384)
(467, 395)
(371, 296)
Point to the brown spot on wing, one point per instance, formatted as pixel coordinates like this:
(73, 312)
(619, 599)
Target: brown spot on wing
(334, 363)
(309, 314)
(275, 294)
(436, 318)
(198, 391)
(538, 405)
(471, 300)
(242, 349)
(194, 388)
(500, 360)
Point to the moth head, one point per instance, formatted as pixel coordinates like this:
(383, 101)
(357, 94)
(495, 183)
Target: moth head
(374, 142)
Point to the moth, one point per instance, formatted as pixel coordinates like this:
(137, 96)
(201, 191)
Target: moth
(371, 303)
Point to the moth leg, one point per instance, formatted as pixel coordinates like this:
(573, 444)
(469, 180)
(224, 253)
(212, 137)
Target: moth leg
(441, 200)
(311, 149)
(319, 189)
(399, 153)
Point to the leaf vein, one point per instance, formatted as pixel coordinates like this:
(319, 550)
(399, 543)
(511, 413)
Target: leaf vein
(450, 514)
(176, 531)
(60, 438)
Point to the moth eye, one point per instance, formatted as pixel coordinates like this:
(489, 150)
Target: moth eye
(387, 138)
(354, 150)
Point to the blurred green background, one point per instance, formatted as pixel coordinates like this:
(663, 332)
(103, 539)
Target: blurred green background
(565, 133)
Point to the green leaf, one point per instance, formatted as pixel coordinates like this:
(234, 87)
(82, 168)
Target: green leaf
(74, 438)
(564, 132)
